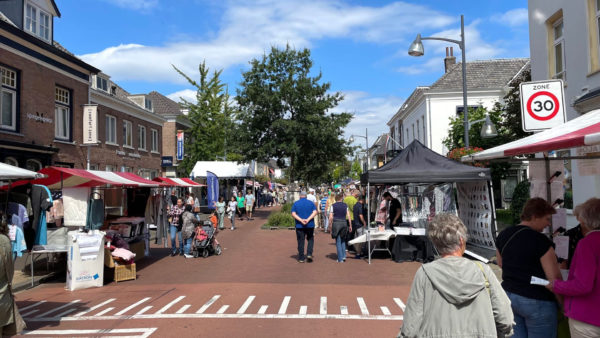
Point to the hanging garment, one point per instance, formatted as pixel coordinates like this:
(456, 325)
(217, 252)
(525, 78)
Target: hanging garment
(18, 243)
(75, 202)
(56, 212)
(149, 212)
(95, 215)
(18, 210)
(45, 201)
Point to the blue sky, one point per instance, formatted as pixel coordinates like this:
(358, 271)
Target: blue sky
(360, 46)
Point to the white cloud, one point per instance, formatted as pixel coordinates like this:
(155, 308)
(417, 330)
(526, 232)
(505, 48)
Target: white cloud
(135, 4)
(369, 112)
(248, 30)
(513, 18)
(188, 94)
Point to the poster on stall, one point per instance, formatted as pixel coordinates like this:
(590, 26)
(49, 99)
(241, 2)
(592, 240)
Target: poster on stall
(212, 182)
(475, 210)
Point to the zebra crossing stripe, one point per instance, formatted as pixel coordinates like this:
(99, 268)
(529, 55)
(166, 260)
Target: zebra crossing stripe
(246, 304)
(29, 313)
(386, 311)
(284, 305)
(363, 306)
(62, 314)
(132, 306)
(32, 305)
(223, 309)
(58, 308)
(183, 308)
(323, 307)
(400, 304)
(142, 311)
(344, 310)
(263, 309)
(104, 311)
(94, 307)
(209, 303)
(303, 310)
(168, 306)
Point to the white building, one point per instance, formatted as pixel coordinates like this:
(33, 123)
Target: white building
(426, 114)
(564, 43)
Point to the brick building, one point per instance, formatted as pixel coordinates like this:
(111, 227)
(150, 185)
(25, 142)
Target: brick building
(43, 89)
(175, 120)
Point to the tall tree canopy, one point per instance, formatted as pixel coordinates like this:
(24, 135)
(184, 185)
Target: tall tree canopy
(212, 116)
(285, 115)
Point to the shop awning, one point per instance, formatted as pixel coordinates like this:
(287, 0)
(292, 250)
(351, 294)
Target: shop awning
(581, 131)
(58, 178)
(9, 172)
(178, 182)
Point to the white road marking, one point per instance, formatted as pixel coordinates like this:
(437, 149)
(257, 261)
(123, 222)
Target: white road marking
(207, 304)
(29, 313)
(132, 306)
(142, 311)
(166, 307)
(284, 305)
(58, 308)
(144, 333)
(263, 309)
(303, 310)
(223, 309)
(63, 314)
(94, 307)
(400, 304)
(246, 304)
(219, 316)
(386, 311)
(183, 308)
(363, 306)
(32, 305)
(104, 311)
(344, 310)
(323, 307)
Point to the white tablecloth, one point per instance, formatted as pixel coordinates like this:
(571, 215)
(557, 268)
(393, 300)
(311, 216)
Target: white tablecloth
(375, 236)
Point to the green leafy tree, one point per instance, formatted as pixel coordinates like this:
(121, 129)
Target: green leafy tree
(285, 114)
(355, 170)
(211, 117)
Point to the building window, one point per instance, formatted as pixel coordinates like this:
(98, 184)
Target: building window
(12, 161)
(407, 138)
(142, 137)
(418, 131)
(33, 165)
(37, 22)
(109, 167)
(93, 167)
(8, 99)
(558, 50)
(413, 130)
(424, 130)
(62, 113)
(148, 104)
(154, 140)
(127, 134)
(111, 129)
(101, 83)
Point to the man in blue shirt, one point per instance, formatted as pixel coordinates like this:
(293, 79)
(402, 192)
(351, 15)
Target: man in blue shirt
(304, 212)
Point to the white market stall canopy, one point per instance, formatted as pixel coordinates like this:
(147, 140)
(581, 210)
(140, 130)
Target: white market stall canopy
(223, 169)
(9, 172)
(581, 131)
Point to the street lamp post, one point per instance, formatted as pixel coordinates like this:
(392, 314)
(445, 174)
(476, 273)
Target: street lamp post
(416, 49)
(366, 137)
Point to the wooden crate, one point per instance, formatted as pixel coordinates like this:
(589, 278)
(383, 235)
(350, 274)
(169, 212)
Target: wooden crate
(125, 272)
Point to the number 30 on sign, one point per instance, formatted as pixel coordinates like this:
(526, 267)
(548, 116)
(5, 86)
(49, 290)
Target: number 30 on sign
(542, 104)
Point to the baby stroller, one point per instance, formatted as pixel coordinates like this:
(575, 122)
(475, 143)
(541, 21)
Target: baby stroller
(203, 243)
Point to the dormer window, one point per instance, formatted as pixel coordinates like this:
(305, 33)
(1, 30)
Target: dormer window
(37, 22)
(148, 104)
(101, 83)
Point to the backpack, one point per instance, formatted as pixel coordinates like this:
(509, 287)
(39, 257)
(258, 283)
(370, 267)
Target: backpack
(180, 222)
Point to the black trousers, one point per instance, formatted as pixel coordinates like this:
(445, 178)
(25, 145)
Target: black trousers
(305, 234)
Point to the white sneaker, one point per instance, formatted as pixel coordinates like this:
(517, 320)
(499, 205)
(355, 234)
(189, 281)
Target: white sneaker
(188, 256)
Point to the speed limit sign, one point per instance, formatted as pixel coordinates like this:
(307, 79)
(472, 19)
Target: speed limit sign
(542, 104)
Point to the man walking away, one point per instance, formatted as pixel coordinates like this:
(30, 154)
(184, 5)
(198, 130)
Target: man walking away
(350, 201)
(359, 223)
(249, 204)
(323, 210)
(304, 212)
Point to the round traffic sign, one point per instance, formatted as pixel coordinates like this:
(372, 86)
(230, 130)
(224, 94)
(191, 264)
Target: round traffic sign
(545, 107)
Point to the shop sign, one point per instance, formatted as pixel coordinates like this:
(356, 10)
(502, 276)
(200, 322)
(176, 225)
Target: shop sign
(90, 124)
(39, 118)
(166, 161)
(121, 153)
(134, 155)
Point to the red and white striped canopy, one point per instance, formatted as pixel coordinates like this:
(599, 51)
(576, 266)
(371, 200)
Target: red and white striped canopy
(581, 131)
(178, 182)
(58, 178)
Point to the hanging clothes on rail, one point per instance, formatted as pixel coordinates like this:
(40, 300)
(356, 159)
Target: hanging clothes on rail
(41, 201)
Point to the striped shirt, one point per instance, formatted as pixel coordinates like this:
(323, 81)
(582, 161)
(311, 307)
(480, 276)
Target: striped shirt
(324, 203)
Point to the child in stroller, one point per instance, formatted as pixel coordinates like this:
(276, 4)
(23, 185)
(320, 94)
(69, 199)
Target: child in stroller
(205, 241)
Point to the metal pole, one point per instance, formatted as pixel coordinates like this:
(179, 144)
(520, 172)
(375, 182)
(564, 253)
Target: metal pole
(88, 158)
(368, 196)
(464, 79)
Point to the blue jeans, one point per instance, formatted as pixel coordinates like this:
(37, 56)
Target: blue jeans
(187, 245)
(534, 318)
(340, 245)
(325, 220)
(175, 233)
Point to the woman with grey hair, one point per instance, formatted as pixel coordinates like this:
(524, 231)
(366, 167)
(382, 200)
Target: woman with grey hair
(453, 296)
(582, 288)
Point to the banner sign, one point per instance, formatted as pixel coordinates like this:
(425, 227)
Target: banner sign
(90, 124)
(166, 161)
(179, 145)
(212, 183)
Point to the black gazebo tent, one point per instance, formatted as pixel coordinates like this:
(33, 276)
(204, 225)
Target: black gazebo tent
(418, 164)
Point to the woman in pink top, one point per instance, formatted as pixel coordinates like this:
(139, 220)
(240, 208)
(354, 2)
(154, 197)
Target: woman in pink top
(582, 288)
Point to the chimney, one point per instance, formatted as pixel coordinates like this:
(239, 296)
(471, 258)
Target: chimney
(450, 59)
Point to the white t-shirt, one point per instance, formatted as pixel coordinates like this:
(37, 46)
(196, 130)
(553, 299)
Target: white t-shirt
(249, 199)
(312, 198)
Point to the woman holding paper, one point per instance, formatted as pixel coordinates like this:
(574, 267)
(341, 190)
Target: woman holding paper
(582, 289)
(528, 261)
